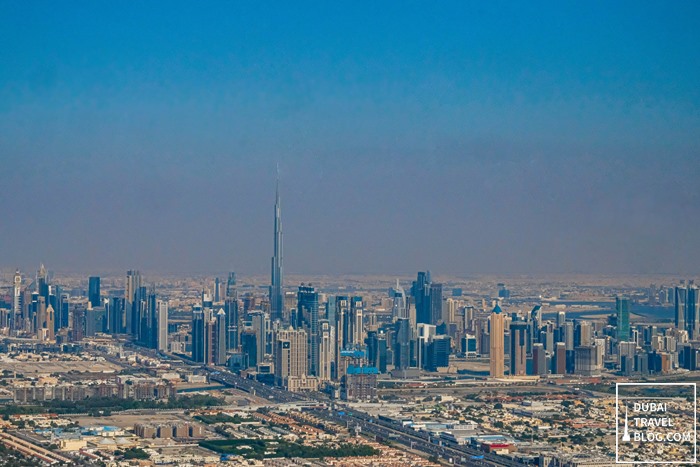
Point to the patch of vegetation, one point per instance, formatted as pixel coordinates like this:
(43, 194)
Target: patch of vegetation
(261, 449)
(135, 453)
(222, 418)
(106, 405)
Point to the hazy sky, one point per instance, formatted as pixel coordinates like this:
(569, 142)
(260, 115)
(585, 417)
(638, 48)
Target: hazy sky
(463, 137)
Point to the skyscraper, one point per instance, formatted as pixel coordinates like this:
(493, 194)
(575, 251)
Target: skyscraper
(307, 318)
(291, 356)
(622, 305)
(198, 334)
(435, 303)
(325, 350)
(220, 338)
(16, 316)
(357, 329)
(539, 359)
(421, 297)
(276, 297)
(94, 291)
(398, 309)
(162, 306)
(402, 343)
(679, 298)
(497, 344)
(518, 348)
(131, 311)
(232, 313)
(692, 311)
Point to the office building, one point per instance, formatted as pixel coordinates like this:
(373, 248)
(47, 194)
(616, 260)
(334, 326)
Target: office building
(435, 303)
(162, 307)
(233, 318)
(496, 343)
(420, 291)
(402, 345)
(622, 306)
(94, 291)
(356, 335)
(131, 309)
(560, 358)
(16, 315)
(291, 356)
(198, 334)
(307, 319)
(539, 360)
(219, 343)
(518, 348)
(326, 349)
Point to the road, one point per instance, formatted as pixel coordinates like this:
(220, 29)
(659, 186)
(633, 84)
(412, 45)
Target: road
(452, 452)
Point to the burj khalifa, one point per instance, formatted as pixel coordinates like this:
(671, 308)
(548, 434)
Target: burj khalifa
(276, 297)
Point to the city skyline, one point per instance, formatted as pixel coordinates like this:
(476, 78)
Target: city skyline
(463, 139)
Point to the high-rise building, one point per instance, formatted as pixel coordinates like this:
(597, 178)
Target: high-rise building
(40, 317)
(49, 324)
(402, 343)
(232, 313)
(398, 308)
(622, 305)
(679, 299)
(276, 295)
(131, 308)
(94, 291)
(249, 347)
(16, 316)
(198, 334)
(162, 307)
(291, 355)
(496, 343)
(325, 350)
(260, 323)
(438, 355)
(539, 359)
(435, 303)
(420, 291)
(307, 319)
(115, 313)
(357, 329)
(518, 348)
(219, 344)
(560, 358)
(692, 311)
(342, 315)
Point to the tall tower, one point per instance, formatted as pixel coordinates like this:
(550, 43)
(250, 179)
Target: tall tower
(496, 338)
(276, 297)
(398, 309)
(622, 305)
(130, 320)
(518, 348)
(50, 315)
(17, 301)
(162, 307)
(220, 338)
(232, 315)
(94, 291)
(307, 318)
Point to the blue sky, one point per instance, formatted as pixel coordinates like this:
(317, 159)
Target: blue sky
(463, 137)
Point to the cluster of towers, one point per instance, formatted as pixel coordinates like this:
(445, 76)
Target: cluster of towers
(38, 310)
(45, 311)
